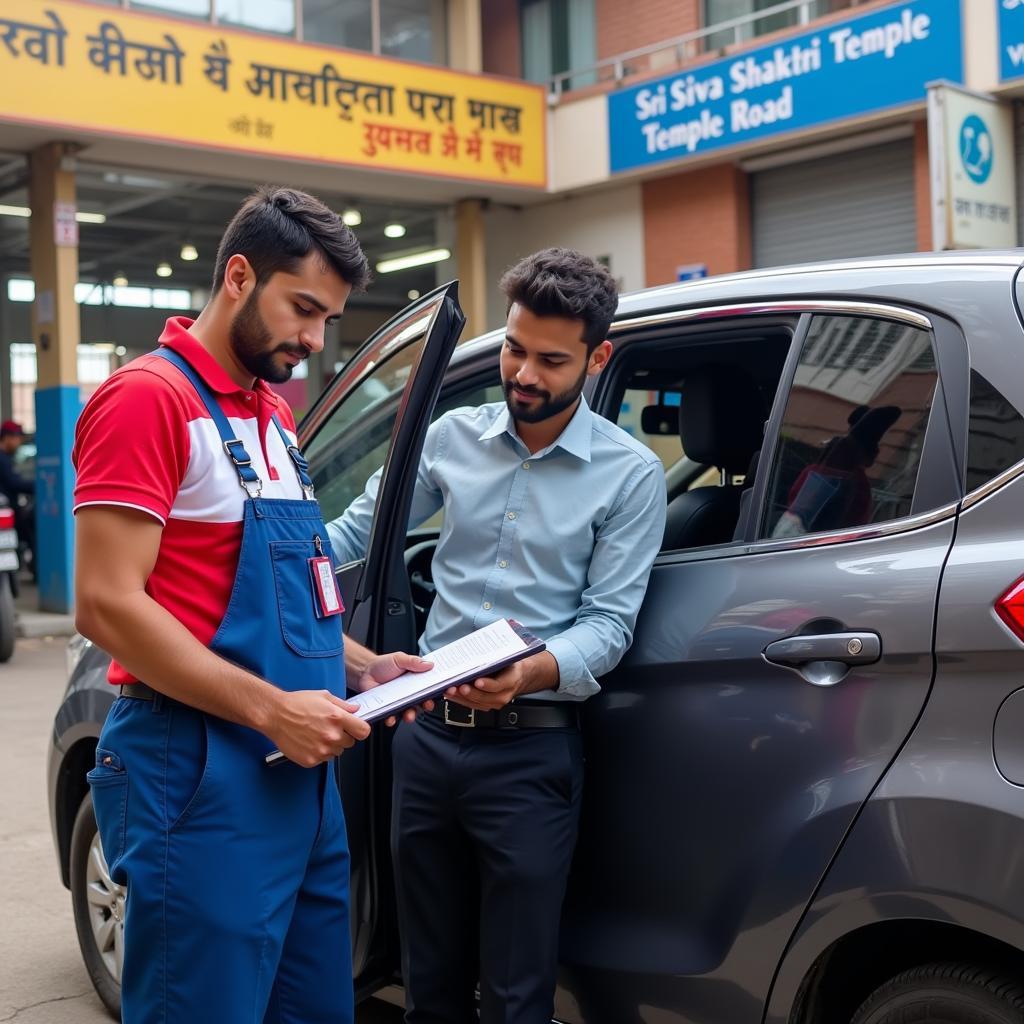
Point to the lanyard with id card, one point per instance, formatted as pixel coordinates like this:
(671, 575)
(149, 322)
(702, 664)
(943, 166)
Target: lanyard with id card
(326, 597)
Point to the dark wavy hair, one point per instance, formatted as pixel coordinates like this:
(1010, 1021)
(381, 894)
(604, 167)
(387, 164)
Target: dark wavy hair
(565, 283)
(276, 228)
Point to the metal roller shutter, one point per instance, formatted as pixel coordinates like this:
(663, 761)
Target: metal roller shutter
(858, 203)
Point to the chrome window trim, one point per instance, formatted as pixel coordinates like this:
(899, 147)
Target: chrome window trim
(811, 540)
(839, 307)
(874, 530)
(989, 488)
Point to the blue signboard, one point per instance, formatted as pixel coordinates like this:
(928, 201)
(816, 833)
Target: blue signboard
(845, 69)
(1011, 38)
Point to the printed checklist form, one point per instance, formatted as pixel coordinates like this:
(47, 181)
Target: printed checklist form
(477, 654)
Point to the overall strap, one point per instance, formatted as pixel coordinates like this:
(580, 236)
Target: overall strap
(247, 476)
(298, 460)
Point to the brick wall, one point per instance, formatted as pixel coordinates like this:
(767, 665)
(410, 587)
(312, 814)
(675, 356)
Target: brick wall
(499, 21)
(622, 25)
(922, 188)
(701, 216)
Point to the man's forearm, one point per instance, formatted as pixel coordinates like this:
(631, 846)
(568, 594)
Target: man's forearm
(357, 660)
(153, 646)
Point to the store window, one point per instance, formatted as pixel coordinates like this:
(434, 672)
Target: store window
(186, 8)
(410, 29)
(558, 36)
(414, 30)
(276, 16)
(346, 23)
(717, 11)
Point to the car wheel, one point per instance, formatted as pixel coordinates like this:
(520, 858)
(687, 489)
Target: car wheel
(98, 903)
(945, 994)
(7, 625)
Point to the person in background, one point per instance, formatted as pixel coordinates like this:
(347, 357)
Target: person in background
(13, 485)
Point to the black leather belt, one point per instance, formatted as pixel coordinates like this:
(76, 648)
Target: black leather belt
(140, 691)
(523, 715)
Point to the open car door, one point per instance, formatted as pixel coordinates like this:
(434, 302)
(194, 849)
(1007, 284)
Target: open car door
(375, 413)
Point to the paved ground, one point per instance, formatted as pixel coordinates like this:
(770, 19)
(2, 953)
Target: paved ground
(42, 980)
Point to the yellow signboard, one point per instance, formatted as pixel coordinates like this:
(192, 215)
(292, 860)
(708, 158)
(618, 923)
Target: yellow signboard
(76, 65)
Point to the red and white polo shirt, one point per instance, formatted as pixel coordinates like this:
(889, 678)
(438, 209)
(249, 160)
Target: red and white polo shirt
(145, 440)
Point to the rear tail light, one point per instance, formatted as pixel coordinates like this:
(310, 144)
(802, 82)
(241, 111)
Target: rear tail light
(1010, 608)
(6, 518)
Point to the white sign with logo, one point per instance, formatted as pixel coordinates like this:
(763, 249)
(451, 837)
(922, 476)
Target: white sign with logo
(973, 173)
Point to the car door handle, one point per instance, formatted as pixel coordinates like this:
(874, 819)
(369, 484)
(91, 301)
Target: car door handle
(826, 658)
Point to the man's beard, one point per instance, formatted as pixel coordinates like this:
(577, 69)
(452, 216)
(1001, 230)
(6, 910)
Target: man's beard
(250, 341)
(548, 405)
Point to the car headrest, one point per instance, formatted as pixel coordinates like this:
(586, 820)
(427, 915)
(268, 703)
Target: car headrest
(659, 419)
(721, 417)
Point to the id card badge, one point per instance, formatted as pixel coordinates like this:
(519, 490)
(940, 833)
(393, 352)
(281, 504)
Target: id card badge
(327, 600)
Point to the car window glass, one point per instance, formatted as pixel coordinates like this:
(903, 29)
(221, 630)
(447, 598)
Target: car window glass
(354, 441)
(852, 433)
(652, 417)
(995, 440)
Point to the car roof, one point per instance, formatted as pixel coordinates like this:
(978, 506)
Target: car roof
(786, 282)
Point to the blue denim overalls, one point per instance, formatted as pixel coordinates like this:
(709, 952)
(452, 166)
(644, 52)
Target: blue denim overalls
(237, 873)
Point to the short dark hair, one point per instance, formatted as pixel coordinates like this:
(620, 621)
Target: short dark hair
(275, 228)
(564, 282)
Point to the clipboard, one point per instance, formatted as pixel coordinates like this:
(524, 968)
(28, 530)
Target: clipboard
(414, 688)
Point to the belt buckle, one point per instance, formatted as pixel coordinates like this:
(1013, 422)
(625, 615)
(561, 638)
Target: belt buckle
(448, 720)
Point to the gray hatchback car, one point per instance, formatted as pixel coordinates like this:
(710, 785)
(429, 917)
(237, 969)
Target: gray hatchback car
(805, 782)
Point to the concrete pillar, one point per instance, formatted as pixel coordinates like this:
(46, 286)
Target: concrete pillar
(471, 260)
(465, 38)
(55, 330)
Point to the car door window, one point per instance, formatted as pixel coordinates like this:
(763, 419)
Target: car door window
(352, 440)
(853, 430)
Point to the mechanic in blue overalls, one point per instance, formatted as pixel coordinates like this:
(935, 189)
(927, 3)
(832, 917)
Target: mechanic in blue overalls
(204, 568)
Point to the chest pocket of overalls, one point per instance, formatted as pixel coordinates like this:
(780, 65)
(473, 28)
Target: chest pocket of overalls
(305, 632)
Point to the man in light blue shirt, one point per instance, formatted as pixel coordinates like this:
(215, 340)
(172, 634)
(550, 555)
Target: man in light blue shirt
(552, 516)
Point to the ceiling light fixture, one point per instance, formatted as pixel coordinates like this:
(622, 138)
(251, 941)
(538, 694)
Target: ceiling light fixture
(352, 217)
(394, 230)
(164, 270)
(415, 259)
(189, 252)
(80, 216)
(120, 281)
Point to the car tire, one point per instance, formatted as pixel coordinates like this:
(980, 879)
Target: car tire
(98, 908)
(945, 994)
(7, 623)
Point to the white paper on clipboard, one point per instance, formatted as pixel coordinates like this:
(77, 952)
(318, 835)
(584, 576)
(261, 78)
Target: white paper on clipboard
(473, 655)
(477, 654)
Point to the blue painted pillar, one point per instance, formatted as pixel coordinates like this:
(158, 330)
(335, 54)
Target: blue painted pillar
(57, 412)
(53, 232)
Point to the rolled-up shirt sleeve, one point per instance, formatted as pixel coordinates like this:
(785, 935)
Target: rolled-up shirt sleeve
(626, 545)
(350, 532)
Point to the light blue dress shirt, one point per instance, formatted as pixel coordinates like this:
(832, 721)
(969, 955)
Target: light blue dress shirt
(561, 540)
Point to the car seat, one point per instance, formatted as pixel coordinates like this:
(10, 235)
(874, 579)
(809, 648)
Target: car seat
(721, 424)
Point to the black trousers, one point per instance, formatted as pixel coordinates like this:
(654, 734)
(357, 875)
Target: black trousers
(483, 829)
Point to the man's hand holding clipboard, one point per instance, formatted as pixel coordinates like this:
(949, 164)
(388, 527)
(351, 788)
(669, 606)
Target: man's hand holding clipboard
(478, 670)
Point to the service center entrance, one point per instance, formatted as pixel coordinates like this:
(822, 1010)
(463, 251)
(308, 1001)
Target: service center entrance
(146, 250)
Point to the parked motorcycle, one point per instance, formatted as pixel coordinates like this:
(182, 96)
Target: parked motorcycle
(9, 565)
